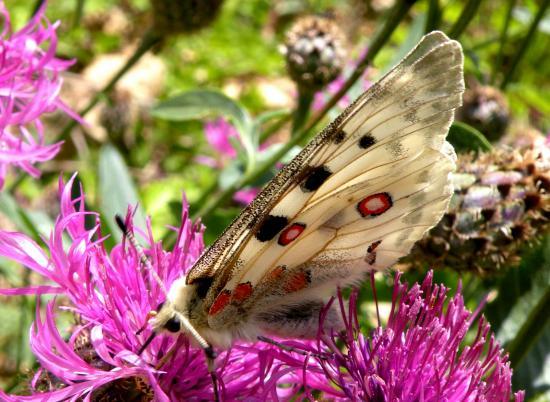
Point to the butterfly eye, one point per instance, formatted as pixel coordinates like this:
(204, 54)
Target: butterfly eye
(173, 325)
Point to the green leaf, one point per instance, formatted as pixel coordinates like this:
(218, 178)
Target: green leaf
(230, 174)
(33, 223)
(264, 117)
(116, 189)
(198, 104)
(465, 138)
(10, 208)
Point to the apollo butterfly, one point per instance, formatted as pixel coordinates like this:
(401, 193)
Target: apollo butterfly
(354, 200)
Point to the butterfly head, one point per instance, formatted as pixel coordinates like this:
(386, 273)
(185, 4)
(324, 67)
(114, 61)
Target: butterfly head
(165, 318)
(181, 312)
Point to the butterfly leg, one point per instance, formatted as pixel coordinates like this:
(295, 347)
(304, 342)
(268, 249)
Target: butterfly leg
(210, 355)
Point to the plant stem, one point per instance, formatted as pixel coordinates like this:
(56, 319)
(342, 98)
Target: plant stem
(503, 38)
(36, 6)
(149, 40)
(265, 134)
(433, 17)
(530, 331)
(78, 12)
(524, 45)
(23, 310)
(468, 13)
(17, 182)
(397, 14)
(300, 115)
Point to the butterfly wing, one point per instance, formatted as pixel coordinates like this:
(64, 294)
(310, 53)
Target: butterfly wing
(356, 198)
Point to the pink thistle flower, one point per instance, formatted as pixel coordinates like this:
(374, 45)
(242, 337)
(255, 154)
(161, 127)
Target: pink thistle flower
(420, 355)
(111, 294)
(246, 196)
(322, 97)
(219, 134)
(29, 87)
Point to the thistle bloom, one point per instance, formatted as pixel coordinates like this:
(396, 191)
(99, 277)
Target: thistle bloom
(29, 87)
(219, 134)
(420, 355)
(111, 295)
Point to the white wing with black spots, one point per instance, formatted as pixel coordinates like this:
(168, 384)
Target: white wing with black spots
(356, 198)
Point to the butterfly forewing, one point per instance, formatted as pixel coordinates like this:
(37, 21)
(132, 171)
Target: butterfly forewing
(356, 198)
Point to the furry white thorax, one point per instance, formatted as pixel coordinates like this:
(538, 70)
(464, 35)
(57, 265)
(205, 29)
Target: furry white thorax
(180, 294)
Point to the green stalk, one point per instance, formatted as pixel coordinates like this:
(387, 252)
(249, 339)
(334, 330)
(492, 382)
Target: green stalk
(503, 38)
(468, 13)
(78, 12)
(300, 115)
(524, 45)
(433, 17)
(149, 40)
(397, 14)
(36, 6)
(530, 331)
(273, 128)
(23, 322)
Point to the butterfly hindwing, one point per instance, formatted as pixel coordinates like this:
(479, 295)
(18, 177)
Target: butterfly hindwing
(356, 198)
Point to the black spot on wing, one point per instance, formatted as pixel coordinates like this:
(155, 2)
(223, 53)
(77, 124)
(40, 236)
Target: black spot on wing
(316, 177)
(270, 227)
(339, 136)
(366, 141)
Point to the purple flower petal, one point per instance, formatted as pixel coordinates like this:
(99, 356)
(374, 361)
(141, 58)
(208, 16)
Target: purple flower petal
(111, 293)
(29, 87)
(421, 354)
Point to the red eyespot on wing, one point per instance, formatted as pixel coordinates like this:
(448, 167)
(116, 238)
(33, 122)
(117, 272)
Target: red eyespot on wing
(276, 273)
(221, 301)
(298, 281)
(291, 233)
(373, 246)
(242, 292)
(374, 205)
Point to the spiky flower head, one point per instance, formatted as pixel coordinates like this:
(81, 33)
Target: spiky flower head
(485, 108)
(315, 52)
(421, 354)
(111, 294)
(501, 202)
(172, 17)
(29, 87)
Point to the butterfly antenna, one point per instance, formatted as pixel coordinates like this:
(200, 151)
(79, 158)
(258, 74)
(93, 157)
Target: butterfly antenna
(146, 343)
(145, 261)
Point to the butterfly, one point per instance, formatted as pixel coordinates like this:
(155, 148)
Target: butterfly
(354, 200)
